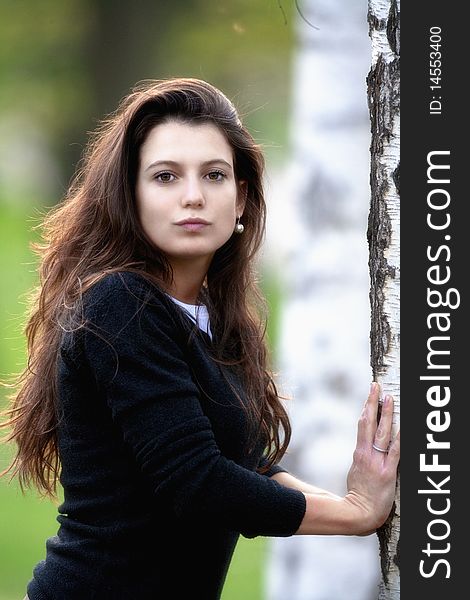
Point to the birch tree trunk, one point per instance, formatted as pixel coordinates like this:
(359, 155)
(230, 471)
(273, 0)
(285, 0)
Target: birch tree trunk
(318, 215)
(384, 239)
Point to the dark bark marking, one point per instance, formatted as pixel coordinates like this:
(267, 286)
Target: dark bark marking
(383, 534)
(375, 24)
(393, 28)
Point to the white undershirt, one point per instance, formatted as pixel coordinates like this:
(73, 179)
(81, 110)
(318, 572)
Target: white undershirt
(198, 313)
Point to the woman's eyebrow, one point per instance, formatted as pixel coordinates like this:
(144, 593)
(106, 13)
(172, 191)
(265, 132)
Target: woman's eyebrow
(175, 163)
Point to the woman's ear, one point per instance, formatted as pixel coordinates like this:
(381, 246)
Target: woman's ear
(242, 195)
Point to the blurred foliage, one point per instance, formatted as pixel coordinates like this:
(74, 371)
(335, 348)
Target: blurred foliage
(25, 522)
(63, 66)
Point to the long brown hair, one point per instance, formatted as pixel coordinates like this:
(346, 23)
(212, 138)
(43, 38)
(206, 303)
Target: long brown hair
(95, 231)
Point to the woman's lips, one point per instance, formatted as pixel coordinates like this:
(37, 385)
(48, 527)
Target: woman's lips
(193, 224)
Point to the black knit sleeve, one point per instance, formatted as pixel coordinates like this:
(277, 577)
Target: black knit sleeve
(133, 349)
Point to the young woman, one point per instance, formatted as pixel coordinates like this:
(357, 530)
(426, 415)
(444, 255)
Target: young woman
(147, 391)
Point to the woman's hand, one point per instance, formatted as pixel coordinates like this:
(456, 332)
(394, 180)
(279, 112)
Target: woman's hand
(371, 480)
(372, 477)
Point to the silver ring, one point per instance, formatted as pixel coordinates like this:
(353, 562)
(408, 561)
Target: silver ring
(379, 449)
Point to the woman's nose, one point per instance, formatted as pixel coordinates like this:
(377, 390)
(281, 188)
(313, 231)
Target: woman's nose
(193, 194)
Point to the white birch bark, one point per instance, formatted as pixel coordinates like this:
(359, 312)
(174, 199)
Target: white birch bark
(384, 239)
(319, 221)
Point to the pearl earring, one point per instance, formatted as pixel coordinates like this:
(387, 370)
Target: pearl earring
(239, 228)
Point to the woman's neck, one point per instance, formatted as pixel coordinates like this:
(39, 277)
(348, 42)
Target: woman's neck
(188, 277)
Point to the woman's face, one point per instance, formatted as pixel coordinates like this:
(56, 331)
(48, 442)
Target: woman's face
(187, 194)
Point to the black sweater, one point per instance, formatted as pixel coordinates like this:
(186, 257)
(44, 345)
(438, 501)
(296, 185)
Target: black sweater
(157, 482)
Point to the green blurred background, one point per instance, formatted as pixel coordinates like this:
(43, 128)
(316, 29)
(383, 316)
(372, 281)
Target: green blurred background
(64, 64)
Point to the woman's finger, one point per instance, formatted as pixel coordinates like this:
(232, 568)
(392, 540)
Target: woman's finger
(368, 420)
(393, 457)
(383, 433)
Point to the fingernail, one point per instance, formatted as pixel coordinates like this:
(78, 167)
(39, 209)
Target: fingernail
(387, 399)
(373, 387)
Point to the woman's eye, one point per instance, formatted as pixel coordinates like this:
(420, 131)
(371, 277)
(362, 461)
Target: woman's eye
(165, 177)
(216, 175)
